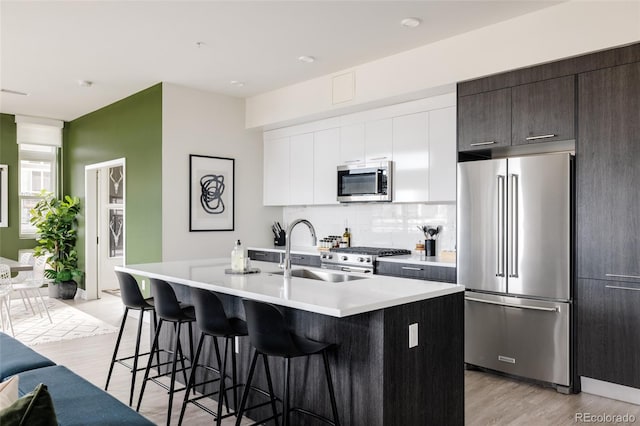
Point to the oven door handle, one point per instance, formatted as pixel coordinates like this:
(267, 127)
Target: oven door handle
(353, 269)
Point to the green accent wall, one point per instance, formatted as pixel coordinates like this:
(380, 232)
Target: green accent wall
(132, 129)
(10, 241)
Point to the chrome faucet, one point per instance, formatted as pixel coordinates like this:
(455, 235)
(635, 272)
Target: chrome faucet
(287, 251)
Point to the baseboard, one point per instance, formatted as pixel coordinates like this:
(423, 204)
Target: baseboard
(610, 390)
(82, 294)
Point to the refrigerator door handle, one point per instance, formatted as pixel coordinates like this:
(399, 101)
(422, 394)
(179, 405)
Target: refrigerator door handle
(500, 246)
(509, 305)
(513, 268)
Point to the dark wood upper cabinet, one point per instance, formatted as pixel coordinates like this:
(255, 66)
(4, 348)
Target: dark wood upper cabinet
(608, 327)
(484, 120)
(608, 174)
(543, 111)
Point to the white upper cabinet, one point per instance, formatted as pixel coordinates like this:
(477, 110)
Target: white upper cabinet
(442, 152)
(378, 140)
(352, 144)
(418, 136)
(301, 169)
(276, 177)
(326, 158)
(411, 158)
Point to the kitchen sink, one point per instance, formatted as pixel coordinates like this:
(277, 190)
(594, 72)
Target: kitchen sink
(321, 275)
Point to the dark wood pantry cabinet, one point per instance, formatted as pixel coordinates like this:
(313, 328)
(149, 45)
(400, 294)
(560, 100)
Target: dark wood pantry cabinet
(484, 120)
(608, 225)
(608, 174)
(543, 111)
(609, 337)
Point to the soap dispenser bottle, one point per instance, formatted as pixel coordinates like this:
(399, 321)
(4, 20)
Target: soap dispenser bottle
(237, 257)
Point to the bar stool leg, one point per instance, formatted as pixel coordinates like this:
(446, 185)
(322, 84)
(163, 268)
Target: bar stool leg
(115, 351)
(155, 327)
(221, 391)
(285, 414)
(135, 357)
(174, 362)
(332, 395)
(272, 397)
(234, 378)
(154, 347)
(245, 394)
(192, 377)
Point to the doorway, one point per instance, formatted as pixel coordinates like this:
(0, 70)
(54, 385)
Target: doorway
(104, 225)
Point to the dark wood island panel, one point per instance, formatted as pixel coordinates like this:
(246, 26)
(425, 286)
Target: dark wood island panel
(378, 379)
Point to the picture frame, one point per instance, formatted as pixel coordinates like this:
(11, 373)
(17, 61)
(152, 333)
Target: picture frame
(211, 193)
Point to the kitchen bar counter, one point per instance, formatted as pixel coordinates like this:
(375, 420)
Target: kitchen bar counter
(381, 376)
(371, 293)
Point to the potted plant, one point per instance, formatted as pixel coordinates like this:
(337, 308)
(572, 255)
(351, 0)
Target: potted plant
(56, 221)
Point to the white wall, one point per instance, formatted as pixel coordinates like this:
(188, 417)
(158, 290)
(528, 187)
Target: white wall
(376, 224)
(568, 29)
(196, 122)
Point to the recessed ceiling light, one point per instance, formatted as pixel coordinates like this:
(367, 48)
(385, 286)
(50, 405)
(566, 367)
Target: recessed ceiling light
(306, 59)
(13, 92)
(237, 83)
(200, 44)
(410, 22)
(85, 83)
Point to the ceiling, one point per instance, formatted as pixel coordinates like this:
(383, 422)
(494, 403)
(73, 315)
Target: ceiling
(46, 47)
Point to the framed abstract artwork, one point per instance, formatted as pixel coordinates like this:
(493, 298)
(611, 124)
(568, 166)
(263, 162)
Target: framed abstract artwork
(211, 193)
(4, 196)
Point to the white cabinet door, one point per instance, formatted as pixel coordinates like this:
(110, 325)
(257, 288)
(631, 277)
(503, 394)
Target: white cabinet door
(378, 139)
(326, 155)
(352, 144)
(301, 169)
(411, 158)
(442, 150)
(276, 172)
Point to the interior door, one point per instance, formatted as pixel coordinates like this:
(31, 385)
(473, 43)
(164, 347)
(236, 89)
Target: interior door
(539, 226)
(111, 225)
(481, 225)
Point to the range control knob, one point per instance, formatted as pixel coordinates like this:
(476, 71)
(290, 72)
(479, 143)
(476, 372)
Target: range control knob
(368, 260)
(361, 259)
(329, 256)
(344, 258)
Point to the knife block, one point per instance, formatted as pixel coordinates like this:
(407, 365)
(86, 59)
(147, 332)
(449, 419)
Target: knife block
(280, 240)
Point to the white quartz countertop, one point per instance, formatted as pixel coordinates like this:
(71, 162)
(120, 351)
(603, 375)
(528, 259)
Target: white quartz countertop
(333, 299)
(415, 259)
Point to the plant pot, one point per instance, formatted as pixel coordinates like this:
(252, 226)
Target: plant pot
(54, 291)
(68, 289)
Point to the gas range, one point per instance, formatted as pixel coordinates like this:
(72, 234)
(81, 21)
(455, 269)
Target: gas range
(357, 259)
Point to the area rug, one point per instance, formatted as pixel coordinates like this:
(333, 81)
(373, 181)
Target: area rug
(68, 323)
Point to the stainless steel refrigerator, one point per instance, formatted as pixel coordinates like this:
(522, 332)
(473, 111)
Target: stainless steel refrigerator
(514, 258)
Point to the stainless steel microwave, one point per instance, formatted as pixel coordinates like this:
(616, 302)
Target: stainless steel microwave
(365, 182)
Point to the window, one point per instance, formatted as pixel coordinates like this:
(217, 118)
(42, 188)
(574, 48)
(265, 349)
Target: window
(38, 171)
(38, 142)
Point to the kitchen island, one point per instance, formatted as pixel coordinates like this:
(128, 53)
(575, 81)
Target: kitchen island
(378, 378)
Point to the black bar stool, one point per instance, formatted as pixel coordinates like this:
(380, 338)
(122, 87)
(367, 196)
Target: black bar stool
(132, 299)
(212, 321)
(270, 336)
(170, 310)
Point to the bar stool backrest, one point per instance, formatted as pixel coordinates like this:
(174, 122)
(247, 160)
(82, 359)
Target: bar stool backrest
(5, 279)
(268, 331)
(165, 301)
(210, 315)
(130, 291)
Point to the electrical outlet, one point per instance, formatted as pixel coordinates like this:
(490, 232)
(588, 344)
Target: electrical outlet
(143, 284)
(413, 335)
(237, 345)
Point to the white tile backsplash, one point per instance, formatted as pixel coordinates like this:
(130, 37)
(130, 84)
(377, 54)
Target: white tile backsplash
(376, 224)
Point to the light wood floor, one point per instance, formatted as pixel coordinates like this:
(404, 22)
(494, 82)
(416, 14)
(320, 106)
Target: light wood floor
(489, 399)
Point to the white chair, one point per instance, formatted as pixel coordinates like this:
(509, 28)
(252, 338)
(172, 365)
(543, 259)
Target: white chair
(31, 284)
(25, 259)
(5, 296)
